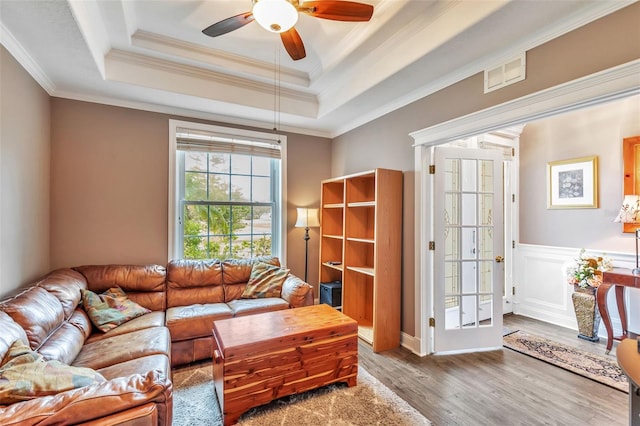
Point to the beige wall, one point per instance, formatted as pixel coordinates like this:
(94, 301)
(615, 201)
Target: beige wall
(24, 176)
(110, 186)
(385, 142)
(594, 131)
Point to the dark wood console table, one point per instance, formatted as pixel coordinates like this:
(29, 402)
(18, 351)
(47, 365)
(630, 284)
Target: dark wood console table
(618, 278)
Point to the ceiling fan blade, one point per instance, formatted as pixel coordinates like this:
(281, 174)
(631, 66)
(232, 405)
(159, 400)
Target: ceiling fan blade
(229, 24)
(337, 10)
(293, 43)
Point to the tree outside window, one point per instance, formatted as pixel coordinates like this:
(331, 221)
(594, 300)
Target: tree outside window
(227, 205)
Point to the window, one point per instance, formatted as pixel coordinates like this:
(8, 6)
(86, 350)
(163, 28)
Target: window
(227, 192)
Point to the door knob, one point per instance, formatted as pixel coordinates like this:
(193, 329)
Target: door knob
(499, 259)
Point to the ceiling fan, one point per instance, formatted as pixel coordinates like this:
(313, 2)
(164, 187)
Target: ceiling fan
(279, 16)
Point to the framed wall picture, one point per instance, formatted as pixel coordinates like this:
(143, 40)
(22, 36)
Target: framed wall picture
(573, 184)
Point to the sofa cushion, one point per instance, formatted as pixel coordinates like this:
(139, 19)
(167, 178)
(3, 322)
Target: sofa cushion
(25, 374)
(65, 343)
(265, 281)
(37, 311)
(10, 332)
(125, 347)
(188, 322)
(65, 284)
(194, 281)
(144, 284)
(111, 308)
(297, 292)
(152, 319)
(242, 307)
(156, 362)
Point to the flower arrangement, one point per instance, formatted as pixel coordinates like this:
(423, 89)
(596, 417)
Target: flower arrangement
(586, 271)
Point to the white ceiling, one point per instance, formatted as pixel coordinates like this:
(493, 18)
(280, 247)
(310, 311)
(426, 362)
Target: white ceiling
(151, 54)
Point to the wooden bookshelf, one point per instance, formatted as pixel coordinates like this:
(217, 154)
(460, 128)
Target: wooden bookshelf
(361, 228)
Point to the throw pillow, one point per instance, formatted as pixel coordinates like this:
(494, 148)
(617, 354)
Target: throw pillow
(265, 281)
(25, 374)
(111, 308)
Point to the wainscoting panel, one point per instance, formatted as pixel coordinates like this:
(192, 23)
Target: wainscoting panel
(542, 292)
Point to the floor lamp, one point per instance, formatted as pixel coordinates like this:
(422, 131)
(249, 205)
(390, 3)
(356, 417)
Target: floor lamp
(630, 213)
(307, 218)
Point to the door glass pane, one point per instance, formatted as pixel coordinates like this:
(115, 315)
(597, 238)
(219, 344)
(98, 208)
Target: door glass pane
(452, 243)
(469, 277)
(452, 313)
(469, 173)
(469, 311)
(452, 174)
(451, 279)
(486, 215)
(486, 277)
(486, 176)
(469, 209)
(468, 243)
(485, 243)
(486, 308)
(451, 208)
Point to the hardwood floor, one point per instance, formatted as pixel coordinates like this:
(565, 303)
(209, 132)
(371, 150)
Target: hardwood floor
(500, 387)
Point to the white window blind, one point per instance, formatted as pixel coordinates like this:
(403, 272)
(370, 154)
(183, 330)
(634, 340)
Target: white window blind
(203, 141)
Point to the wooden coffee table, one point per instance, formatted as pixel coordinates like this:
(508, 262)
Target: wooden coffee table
(262, 357)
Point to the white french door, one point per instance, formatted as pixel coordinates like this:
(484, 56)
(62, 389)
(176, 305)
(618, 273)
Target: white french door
(469, 249)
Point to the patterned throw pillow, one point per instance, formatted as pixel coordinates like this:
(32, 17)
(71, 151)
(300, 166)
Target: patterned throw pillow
(111, 308)
(265, 281)
(26, 375)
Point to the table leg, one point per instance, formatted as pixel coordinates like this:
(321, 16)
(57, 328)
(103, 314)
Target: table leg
(622, 310)
(601, 298)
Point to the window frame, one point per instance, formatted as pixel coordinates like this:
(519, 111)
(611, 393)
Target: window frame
(176, 178)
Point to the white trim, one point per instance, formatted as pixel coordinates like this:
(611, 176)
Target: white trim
(172, 201)
(608, 85)
(25, 60)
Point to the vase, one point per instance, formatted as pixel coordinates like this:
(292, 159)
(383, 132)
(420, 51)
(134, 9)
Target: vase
(587, 313)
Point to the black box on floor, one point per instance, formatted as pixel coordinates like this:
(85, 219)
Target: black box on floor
(331, 293)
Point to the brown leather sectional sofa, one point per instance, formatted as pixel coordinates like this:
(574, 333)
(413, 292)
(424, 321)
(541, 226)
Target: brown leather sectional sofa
(135, 358)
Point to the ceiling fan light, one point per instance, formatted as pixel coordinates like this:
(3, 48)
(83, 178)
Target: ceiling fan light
(276, 16)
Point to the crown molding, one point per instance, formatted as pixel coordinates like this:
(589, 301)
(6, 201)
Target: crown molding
(25, 60)
(177, 112)
(221, 59)
(614, 83)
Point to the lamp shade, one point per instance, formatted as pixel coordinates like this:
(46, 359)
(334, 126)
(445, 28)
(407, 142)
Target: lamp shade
(307, 218)
(630, 210)
(276, 16)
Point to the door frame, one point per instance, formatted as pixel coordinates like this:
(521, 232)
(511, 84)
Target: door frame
(611, 84)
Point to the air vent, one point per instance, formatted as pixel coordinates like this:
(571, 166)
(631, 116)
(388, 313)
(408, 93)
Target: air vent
(505, 74)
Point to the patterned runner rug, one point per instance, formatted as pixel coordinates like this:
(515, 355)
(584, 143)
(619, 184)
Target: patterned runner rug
(368, 403)
(596, 367)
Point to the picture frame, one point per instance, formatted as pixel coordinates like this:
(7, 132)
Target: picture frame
(573, 184)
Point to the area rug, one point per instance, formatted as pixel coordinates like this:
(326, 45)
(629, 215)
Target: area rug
(368, 403)
(596, 367)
